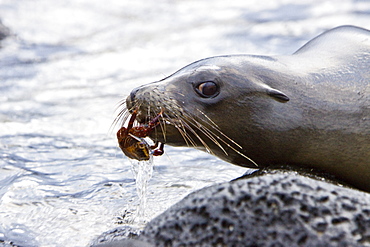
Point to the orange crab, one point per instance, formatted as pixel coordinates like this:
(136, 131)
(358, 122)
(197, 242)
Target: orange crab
(131, 139)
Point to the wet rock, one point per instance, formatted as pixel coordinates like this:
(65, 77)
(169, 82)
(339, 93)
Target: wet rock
(282, 208)
(124, 243)
(121, 236)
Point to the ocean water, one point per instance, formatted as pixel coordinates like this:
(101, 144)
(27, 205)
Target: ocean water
(66, 68)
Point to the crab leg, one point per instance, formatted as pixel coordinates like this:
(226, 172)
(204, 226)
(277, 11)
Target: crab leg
(131, 122)
(156, 119)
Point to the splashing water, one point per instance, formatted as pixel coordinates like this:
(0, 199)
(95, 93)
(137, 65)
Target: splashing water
(143, 172)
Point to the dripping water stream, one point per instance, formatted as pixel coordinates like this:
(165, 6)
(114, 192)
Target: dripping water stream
(143, 171)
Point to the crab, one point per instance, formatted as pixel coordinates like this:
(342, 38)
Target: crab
(131, 139)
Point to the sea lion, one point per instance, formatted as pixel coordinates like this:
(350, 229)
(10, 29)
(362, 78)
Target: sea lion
(309, 109)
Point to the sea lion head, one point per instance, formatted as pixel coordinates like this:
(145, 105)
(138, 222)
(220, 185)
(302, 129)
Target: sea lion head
(209, 104)
(309, 109)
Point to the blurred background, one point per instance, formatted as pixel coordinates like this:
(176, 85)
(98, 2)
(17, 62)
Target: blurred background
(66, 65)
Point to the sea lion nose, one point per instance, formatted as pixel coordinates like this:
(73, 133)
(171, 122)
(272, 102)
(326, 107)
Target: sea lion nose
(131, 99)
(133, 94)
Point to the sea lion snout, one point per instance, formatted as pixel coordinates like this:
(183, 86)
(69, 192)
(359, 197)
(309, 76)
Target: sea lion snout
(139, 99)
(136, 98)
(132, 96)
(149, 100)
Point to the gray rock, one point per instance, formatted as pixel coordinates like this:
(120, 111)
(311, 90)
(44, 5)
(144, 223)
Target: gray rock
(121, 236)
(282, 208)
(124, 243)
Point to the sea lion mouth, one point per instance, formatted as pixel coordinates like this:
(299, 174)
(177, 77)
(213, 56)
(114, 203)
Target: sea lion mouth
(179, 123)
(176, 127)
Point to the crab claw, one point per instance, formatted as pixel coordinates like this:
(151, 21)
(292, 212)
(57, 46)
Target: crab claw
(159, 151)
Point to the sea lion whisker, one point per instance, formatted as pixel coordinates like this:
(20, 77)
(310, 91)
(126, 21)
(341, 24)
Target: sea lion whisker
(124, 114)
(178, 93)
(214, 126)
(181, 126)
(149, 113)
(233, 148)
(120, 119)
(187, 126)
(188, 140)
(121, 103)
(136, 105)
(208, 118)
(225, 136)
(182, 130)
(162, 125)
(211, 135)
(123, 108)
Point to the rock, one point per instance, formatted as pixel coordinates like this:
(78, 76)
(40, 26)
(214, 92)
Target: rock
(279, 208)
(121, 236)
(124, 243)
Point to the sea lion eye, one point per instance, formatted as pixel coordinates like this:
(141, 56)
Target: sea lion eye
(207, 89)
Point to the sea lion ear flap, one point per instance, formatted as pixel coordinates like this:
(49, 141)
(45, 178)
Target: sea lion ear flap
(277, 95)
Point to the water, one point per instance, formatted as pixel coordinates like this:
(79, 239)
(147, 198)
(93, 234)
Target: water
(143, 173)
(63, 180)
